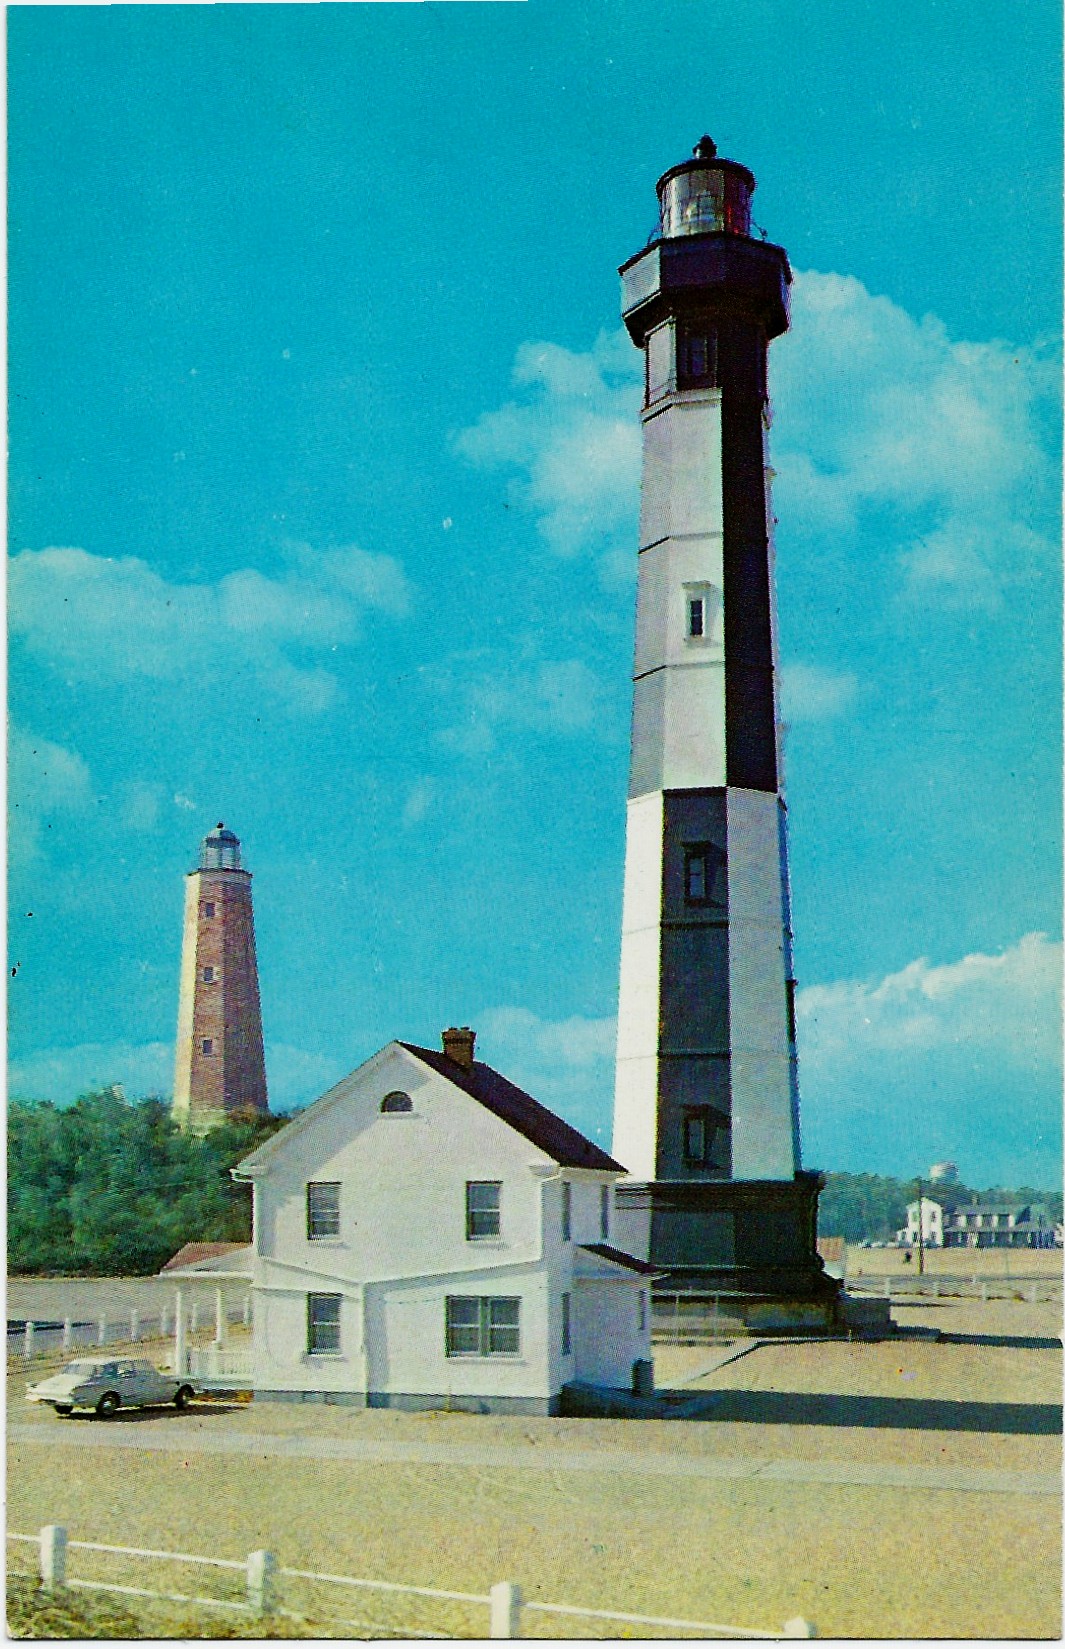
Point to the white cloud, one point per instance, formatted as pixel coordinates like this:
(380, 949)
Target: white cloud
(105, 620)
(809, 692)
(567, 1064)
(875, 412)
(44, 780)
(61, 1074)
(573, 436)
(294, 1075)
(554, 696)
(419, 799)
(960, 1060)
(879, 411)
(1008, 1004)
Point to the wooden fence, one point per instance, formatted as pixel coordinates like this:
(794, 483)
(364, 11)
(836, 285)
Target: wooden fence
(261, 1577)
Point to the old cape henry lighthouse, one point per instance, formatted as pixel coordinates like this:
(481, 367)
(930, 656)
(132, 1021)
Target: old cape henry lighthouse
(706, 1112)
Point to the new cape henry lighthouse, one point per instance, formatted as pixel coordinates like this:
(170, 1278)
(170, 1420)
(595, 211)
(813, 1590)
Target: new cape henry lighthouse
(706, 1114)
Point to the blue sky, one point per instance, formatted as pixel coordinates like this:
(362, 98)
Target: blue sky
(323, 483)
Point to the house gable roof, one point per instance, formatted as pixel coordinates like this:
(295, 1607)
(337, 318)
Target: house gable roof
(523, 1113)
(511, 1104)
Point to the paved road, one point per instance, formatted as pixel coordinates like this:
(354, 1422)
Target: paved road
(177, 1439)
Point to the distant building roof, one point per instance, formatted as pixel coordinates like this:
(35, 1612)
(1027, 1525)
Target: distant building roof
(194, 1254)
(519, 1110)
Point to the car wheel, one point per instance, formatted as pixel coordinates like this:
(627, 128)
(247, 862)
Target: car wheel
(183, 1397)
(109, 1404)
(64, 1408)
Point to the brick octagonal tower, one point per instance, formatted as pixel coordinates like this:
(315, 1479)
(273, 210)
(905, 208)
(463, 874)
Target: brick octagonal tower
(219, 1067)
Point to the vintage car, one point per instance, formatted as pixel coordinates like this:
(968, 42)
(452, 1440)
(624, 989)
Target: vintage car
(107, 1384)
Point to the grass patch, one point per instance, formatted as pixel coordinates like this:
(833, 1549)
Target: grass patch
(68, 1612)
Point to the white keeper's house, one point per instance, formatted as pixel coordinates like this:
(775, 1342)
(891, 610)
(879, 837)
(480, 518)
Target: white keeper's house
(428, 1235)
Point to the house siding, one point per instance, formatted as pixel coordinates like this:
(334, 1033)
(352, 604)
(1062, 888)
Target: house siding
(402, 1249)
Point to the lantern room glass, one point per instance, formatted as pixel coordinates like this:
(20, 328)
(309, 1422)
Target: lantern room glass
(706, 200)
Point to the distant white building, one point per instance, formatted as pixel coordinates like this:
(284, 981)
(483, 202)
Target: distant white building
(998, 1226)
(926, 1216)
(428, 1235)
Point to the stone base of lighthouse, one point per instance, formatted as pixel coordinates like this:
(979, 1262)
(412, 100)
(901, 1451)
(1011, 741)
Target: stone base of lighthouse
(736, 1254)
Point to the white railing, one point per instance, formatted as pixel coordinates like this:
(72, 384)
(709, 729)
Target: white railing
(262, 1573)
(220, 1363)
(31, 1339)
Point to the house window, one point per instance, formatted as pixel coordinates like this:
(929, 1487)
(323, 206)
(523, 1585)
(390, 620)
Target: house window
(695, 616)
(482, 1209)
(695, 1138)
(208, 976)
(397, 1102)
(208, 910)
(323, 1210)
(567, 1210)
(701, 863)
(641, 1310)
(483, 1327)
(566, 1331)
(604, 1211)
(207, 1045)
(323, 1323)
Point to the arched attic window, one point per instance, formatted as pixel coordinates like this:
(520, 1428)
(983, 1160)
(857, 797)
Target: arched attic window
(397, 1102)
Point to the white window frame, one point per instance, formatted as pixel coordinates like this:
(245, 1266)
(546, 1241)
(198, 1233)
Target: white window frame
(328, 1218)
(702, 592)
(313, 1326)
(481, 1312)
(475, 1215)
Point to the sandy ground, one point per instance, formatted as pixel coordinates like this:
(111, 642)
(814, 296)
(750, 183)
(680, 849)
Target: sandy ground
(859, 1561)
(981, 1263)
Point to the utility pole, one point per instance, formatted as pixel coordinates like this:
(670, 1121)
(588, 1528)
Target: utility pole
(920, 1229)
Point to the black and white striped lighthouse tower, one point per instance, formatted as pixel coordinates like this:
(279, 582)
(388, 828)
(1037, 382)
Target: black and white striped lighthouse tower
(706, 1113)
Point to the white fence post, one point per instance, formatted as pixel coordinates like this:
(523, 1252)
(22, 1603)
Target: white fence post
(53, 1555)
(219, 1318)
(262, 1574)
(27, 1341)
(134, 1325)
(101, 1332)
(247, 1311)
(505, 1606)
(799, 1628)
(179, 1337)
(68, 1333)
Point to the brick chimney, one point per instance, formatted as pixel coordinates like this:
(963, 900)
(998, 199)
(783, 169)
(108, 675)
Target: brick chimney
(458, 1045)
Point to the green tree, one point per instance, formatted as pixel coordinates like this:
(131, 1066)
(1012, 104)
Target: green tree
(109, 1187)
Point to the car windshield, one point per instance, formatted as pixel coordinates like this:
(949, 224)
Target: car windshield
(80, 1368)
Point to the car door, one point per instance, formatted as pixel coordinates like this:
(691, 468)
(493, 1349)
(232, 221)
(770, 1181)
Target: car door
(127, 1384)
(157, 1388)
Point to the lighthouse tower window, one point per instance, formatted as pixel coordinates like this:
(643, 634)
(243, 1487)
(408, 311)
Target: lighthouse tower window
(697, 357)
(696, 616)
(701, 861)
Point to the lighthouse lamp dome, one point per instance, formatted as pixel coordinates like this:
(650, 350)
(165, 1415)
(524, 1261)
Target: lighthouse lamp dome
(220, 849)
